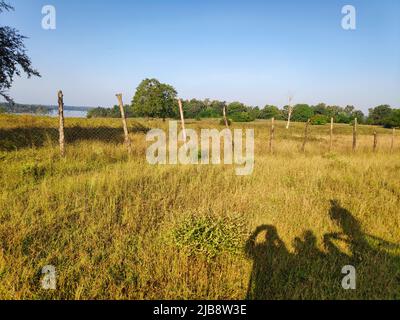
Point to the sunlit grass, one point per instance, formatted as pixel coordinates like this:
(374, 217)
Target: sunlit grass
(116, 227)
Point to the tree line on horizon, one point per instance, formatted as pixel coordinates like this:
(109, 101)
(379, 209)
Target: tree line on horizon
(154, 99)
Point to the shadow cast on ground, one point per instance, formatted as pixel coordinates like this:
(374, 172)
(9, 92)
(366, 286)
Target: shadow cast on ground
(311, 273)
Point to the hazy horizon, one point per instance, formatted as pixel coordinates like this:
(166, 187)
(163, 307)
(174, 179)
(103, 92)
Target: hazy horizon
(252, 52)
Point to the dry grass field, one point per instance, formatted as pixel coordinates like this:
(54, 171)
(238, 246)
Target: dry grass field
(116, 227)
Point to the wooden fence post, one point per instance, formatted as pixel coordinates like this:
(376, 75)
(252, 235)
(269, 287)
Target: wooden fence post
(392, 143)
(182, 120)
(272, 136)
(61, 123)
(224, 112)
(225, 118)
(124, 124)
(290, 111)
(355, 134)
(331, 139)
(375, 140)
(303, 149)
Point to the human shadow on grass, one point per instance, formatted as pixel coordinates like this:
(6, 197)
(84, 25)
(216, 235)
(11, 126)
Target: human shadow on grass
(18, 138)
(310, 273)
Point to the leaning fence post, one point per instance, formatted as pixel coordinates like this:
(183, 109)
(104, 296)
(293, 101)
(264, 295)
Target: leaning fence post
(305, 136)
(127, 139)
(272, 136)
(392, 143)
(224, 112)
(61, 122)
(182, 120)
(375, 140)
(355, 134)
(331, 140)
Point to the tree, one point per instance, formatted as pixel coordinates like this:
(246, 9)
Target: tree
(320, 109)
(271, 112)
(379, 114)
(343, 117)
(333, 111)
(242, 117)
(114, 112)
(155, 99)
(302, 112)
(236, 107)
(254, 112)
(359, 115)
(393, 121)
(13, 56)
(193, 108)
(218, 106)
(349, 110)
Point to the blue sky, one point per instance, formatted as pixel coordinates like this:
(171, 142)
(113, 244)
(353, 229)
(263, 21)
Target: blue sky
(256, 52)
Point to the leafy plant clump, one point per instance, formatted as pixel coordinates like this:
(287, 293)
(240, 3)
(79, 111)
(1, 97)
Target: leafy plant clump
(33, 171)
(210, 236)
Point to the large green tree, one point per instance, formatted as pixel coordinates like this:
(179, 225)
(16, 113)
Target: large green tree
(269, 112)
(155, 99)
(302, 112)
(379, 114)
(13, 57)
(394, 120)
(236, 107)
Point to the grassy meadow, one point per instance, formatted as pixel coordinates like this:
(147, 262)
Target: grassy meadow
(116, 227)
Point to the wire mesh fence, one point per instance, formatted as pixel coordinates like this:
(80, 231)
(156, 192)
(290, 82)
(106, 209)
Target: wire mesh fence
(18, 132)
(24, 131)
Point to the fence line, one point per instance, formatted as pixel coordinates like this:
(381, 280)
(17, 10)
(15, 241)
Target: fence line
(65, 132)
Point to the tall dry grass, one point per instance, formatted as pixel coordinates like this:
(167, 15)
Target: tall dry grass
(116, 227)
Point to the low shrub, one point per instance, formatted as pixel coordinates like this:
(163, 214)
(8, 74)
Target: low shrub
(319, 120)
(242, 117)
(33, 171)
(210, 236)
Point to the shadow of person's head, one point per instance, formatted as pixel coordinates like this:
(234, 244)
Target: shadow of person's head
(271, 233)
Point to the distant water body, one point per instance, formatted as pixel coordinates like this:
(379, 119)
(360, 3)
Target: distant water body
(54, 114)
(70, 113)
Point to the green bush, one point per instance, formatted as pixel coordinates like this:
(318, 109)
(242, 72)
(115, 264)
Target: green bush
(242, 117)
(208, 113)
(319, 120)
